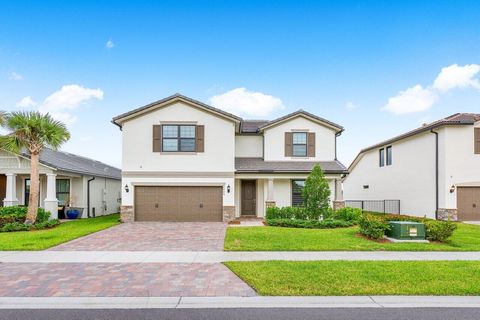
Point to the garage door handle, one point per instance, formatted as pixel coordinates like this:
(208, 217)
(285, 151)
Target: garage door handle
(156, 205)
(474, 205)
(201, 205)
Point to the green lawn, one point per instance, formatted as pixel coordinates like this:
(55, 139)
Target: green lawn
(338, 278)
(43, 239)
(465, 238)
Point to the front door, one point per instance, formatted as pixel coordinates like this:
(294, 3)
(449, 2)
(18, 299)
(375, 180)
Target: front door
(249, 198)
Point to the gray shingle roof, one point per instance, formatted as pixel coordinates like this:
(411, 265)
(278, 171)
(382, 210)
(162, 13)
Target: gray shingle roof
(77, 164)
(251, 126)
(300, 112)
(258, 165)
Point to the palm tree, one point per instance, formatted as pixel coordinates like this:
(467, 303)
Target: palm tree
(32, 131)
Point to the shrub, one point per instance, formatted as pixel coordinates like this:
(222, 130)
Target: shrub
(439, 230)
(348, 214)
(309, 224)
(20, 226)
(372, 226)
(10, 218)
(316, 193)
(20, 214)
(300, 213)
(15, 226)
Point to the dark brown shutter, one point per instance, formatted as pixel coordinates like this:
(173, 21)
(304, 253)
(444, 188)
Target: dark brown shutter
(200, 137)
(477, 140)
(311, 144)
(288, 144)
(157, 138)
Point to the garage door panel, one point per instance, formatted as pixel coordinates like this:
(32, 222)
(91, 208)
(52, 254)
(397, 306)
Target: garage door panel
(468, 203)
(178, 203)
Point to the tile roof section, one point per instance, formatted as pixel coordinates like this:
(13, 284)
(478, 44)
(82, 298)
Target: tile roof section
(172, 97)
(69, 162)
(251, 126)
(455, 119)
(258, 165)
(300, 112)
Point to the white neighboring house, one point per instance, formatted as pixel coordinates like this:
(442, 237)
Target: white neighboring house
(184, 160)
(433, 170)
(65, 180)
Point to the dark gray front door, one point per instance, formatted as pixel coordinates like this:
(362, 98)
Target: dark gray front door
(249, 198)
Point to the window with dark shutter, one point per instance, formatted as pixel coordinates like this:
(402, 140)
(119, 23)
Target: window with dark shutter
(389, 155)
(157, 138)
(381, 157)
(178, 138)
(311, 144)
(297, 189)
(288, 144)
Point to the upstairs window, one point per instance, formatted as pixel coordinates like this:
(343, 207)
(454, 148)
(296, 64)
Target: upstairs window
(299, 144)
(381, 157)
(297, 189)
(389, 156)
(178, 138)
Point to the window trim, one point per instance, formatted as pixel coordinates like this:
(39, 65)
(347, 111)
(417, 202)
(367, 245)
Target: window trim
(291, 193)
(300, 144)
(388, 159)
(381, 157)
(179, 138)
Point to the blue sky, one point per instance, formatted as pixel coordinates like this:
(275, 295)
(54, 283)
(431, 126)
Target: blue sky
(87, 61)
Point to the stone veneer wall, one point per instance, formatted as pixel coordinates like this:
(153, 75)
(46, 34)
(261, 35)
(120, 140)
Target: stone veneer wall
(228, 213)
(447, 214)
(126, 214)
(338, 204)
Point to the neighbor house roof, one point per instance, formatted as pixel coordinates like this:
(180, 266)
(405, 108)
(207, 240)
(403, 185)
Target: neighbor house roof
(69, 162)
(258, 165)
(177, 96)
(455, 119)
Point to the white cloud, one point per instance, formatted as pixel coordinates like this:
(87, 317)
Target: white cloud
(109, 44)
(350, 106)
(26, 102)
(414, 99)
(15, 76)
(456, 76)
(69, 97)
(240, 101)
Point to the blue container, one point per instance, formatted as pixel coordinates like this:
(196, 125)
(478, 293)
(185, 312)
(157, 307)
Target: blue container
(73, 214)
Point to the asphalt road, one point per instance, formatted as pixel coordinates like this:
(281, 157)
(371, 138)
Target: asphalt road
(246, 314)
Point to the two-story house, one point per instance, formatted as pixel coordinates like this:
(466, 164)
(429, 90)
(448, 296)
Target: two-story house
(183, 160)
(433, 170)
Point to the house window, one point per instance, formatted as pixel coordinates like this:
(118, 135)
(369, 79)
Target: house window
(297, 189)
(63, 192)
(178, 138)
(299, 144)
(381, 157)
(389, 156)
(26, 192)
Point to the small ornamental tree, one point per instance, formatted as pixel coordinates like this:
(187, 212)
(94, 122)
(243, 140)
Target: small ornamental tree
(316, 193)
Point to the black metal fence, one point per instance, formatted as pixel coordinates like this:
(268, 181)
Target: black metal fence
(386, 206)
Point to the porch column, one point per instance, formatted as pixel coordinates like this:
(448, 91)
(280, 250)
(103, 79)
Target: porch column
(51, 201)
(270, 202)
(338, 202)
(11, 191)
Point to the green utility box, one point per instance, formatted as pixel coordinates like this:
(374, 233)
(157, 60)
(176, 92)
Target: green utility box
(406, 230)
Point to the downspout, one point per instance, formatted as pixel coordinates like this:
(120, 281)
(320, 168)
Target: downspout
(336, 135)
(436, 173)
(88, 196)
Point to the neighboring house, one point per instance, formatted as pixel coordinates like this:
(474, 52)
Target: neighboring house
(434, 170)
(184, 160)
(65, 180)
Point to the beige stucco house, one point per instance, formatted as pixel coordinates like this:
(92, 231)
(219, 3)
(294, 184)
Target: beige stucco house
(433, 170)
(183, 160)
(65, 180)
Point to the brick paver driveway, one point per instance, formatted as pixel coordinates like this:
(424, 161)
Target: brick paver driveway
(153, 236)
(119, 280)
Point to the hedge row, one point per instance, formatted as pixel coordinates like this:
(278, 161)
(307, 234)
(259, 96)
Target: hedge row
(309, 224)
(13, 218)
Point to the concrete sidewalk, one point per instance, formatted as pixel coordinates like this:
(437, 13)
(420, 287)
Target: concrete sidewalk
(221, 256)
(239, 302)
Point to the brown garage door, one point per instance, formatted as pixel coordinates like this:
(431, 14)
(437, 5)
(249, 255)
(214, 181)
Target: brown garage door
(468, 203)
(178, 203)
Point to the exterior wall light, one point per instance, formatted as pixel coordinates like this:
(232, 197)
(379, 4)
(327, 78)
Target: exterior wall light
(452, 189)
(126, 188)
(228, 188)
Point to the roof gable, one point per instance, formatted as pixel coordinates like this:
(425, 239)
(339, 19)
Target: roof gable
(304, 114)
(120, 119)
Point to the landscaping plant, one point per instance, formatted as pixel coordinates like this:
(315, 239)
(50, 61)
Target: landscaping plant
(372, 226)
(316, 193)
(439, 230)
(348, 214)
(32, 131)
(310, 224)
